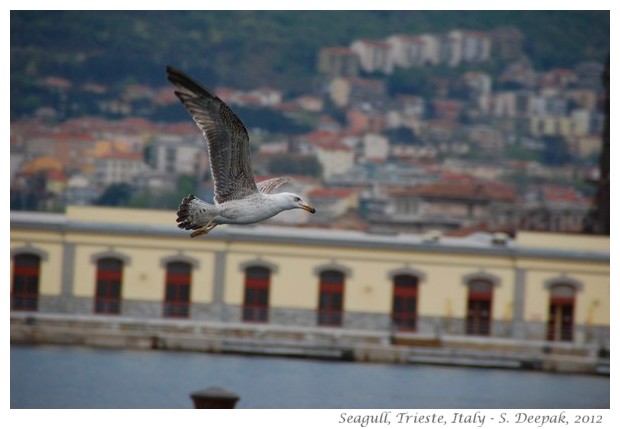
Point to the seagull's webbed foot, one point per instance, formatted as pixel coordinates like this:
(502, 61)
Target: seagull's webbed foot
(204, 230)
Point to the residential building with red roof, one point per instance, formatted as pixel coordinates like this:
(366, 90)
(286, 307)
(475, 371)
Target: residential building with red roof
(334, 203)
(335, 158)
(442, 205)
(338, 61)
(346, 91)
(551, 208)
(374, 55)
(118, 167)
(407, 50)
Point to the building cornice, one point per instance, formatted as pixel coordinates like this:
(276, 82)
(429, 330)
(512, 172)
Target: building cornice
(310, 237)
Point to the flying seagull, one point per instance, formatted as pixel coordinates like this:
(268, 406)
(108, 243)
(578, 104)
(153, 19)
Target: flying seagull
(238, 198)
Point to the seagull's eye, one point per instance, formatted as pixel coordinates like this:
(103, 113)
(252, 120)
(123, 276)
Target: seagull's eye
(297, 199)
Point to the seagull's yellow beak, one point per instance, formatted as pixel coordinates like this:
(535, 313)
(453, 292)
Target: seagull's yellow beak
(307, 207)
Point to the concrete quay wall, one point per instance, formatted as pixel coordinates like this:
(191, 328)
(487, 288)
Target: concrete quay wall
(305, 342)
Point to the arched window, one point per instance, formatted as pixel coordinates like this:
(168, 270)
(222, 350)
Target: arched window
(331, 291)
(25, 290)
(404, 302)
(561, 312)
(178, 281)
(256, 295)
(479, 300)
(108, 286)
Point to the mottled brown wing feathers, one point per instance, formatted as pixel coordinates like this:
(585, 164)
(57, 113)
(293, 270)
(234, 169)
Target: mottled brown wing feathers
(270, 185)
(227, 139)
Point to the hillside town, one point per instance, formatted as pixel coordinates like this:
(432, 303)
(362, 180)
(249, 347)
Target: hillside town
(492, 145)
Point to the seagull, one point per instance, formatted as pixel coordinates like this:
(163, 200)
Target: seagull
(238, 198)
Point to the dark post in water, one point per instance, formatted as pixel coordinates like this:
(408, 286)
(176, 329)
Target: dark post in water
(214, 397)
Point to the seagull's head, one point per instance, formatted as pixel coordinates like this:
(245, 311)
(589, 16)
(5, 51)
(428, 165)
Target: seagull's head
(294, 201)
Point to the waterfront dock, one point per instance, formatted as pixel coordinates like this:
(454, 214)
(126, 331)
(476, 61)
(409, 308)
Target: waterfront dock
(306, 342)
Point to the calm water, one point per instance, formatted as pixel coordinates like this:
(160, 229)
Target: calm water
(71, 377)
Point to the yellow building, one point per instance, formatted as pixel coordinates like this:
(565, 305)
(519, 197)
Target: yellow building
(138, 264)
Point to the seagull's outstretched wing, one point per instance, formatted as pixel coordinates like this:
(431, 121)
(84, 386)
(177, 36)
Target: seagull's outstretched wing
(270, 185)
(227, 139)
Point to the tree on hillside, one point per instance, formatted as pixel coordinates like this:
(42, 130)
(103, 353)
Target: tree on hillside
(117, 194)
(304, 165)
(556, 151)
(402, 135)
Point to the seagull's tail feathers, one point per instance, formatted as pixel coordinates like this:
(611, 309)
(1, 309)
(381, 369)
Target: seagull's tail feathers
(196, 214)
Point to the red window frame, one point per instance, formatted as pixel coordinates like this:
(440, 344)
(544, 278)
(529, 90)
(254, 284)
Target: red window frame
(561, 317)
(25, 288)
(331, 298)
(479, 306)
(256, 294)
(404, 302)
(108, 284)
(177, 291)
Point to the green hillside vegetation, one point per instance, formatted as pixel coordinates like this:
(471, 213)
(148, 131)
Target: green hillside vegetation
(245, 49)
